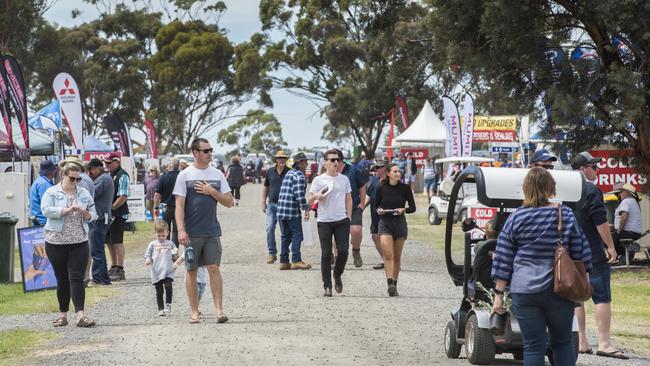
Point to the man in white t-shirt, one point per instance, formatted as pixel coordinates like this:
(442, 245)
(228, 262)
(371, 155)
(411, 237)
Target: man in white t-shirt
(332, 190)
(627, 217)
(198, 190)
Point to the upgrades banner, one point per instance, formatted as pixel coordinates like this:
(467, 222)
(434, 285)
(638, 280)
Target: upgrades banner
(495, 128)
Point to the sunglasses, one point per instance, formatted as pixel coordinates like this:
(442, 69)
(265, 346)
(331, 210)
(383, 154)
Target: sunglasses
(594, 167)
(73, 179)
(206, 151)
(334, 160)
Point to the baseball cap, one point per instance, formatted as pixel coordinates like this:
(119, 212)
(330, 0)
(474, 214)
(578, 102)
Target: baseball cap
(111, 158)
(542, 155)
(583, 159)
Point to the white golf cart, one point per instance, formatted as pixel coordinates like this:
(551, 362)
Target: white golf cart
(438, 205)
(470, 324)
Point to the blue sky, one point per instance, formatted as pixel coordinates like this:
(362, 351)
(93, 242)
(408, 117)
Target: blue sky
(301, 123)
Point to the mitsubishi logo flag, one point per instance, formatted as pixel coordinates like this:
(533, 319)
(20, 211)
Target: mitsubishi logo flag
(67, 93)
(16, 87)
(119, 133)
(453, 145)
(151, 138)
(468, 124)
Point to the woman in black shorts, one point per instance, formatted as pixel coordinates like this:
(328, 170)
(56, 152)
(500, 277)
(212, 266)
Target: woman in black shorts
(391, 199)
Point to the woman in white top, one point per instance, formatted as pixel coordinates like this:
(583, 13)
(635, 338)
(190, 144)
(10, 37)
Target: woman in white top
(627, 217)
(332, 190)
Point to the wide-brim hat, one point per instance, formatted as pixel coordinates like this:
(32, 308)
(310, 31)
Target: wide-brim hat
(281, 154)
(47, 167)
(381, 163)
(299, 157)
(626, 187)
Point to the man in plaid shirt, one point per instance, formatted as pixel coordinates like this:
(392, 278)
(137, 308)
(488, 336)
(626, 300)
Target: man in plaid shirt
(292, 200)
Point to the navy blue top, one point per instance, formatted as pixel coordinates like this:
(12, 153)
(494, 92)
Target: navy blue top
(356, 182)
(372, 193)
(590, 215)
(526, 247)
(273, 181)
(165, 188)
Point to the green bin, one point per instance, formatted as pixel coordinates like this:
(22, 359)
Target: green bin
(7, 235)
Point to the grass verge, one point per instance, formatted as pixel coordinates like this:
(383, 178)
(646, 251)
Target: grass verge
(630, 290)
(16, 342)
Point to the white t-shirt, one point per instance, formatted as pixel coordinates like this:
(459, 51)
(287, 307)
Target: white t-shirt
(200, 209)
(633, 222)
(332, 207)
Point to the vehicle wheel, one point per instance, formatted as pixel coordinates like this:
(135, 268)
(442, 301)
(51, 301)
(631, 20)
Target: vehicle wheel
(452, 348)
(518, 355)
(479, 343)
(433, 217)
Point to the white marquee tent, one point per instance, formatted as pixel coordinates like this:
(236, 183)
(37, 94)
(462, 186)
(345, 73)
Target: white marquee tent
(427, 130)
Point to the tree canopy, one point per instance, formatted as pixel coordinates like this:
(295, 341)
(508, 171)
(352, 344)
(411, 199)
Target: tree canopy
(257, 132)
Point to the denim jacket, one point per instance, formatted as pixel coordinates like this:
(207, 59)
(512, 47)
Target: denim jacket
(55, 200)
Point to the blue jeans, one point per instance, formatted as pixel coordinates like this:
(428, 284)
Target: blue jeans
(536, 312)
(428, 185)
(291, 236)
(271, 223)
(97, 236)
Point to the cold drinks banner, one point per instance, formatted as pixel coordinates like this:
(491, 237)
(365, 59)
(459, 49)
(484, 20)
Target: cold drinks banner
(36, 268)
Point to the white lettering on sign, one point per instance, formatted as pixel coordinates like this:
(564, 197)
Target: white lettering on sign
(482, 215)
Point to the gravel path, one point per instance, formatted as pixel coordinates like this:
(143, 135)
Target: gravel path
(276, 317)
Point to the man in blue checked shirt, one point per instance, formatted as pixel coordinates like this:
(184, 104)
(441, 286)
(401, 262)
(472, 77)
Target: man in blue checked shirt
(292, 200)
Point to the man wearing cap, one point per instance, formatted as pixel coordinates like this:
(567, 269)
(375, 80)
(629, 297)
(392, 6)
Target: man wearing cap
(627, 217)
(104, 192)
(379, 168)
(543, 159)
(120, 212)
(44, 181)
(291, 200)
(592, 218)
(270, 196)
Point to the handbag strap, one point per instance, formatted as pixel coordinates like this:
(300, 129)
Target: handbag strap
(559, 225)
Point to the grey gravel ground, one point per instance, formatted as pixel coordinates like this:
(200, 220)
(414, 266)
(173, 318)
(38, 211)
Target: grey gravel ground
(276, 317)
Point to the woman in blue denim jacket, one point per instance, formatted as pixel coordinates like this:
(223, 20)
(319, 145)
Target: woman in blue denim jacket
(68, 210)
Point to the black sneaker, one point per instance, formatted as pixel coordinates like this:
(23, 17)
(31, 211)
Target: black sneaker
(327, 292)
(392, 290)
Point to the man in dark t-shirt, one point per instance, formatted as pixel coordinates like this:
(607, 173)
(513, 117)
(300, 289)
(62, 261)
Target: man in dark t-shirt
(270, 196)
(164, 194)
(592, 218)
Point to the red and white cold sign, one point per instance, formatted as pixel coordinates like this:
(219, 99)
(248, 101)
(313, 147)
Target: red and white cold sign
(482, 215)
(616, 168)
(420, 155)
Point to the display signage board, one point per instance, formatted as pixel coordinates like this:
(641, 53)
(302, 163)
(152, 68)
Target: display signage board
(495, 128)
(420, 155)
(482, 215)
(35, 267)
(136, 203)
(101, 155)
(504, 149)
(617, 167)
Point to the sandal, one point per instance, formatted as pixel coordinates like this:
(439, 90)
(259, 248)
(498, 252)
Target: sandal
(194, 320)
(85, 322)
(614, 354)
(222, 318)
(60, 322)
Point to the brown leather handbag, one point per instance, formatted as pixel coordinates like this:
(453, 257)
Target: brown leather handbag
(570, 277)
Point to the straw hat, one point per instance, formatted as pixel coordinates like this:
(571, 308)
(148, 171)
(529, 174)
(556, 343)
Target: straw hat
(627, 187)
(281, 154)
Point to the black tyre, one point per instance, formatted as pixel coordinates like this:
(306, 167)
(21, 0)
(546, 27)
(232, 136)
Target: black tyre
(479, 343)
(452, 348)
(433, 217)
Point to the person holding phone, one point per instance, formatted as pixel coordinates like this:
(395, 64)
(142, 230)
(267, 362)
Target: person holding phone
(68, 209)
(392, 196)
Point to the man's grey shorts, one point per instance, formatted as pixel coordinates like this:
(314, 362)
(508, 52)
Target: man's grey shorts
(206, 251)
(357, 216)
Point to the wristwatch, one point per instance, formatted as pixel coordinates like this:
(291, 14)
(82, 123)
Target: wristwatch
(497, 291)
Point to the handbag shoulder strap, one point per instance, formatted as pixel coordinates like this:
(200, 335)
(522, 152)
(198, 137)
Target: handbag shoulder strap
(560, 225)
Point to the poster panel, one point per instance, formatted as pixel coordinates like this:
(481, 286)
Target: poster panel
(36, 269)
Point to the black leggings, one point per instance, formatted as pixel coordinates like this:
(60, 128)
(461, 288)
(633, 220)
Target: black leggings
(341, 232)
(236, 192)
(69, 262)
(167, 284)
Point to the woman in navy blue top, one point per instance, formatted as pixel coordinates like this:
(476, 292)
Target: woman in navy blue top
(524, 261)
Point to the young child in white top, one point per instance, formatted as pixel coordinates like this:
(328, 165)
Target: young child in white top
(201, 276)
(158, 257)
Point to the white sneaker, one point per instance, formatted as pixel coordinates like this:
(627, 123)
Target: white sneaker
(168, 310)
(161, 313)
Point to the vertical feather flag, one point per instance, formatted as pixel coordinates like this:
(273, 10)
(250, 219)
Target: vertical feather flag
(468, 124)
(453, 145)
(16, 87)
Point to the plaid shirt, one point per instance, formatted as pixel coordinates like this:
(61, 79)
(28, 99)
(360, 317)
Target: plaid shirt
(292, 195)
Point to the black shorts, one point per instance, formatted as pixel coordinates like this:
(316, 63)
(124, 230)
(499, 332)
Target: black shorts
(357, 215)
(116, 231)
(393, 225)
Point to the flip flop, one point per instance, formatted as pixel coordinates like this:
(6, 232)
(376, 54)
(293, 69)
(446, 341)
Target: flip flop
(222, 318)
(194, 321)
(587, 351)
(614, 354)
